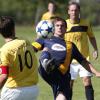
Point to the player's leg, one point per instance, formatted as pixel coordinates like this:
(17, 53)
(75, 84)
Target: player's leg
(71, 88)
(89, 92)
(61, 87)
(52, 79)
(86, 78)
(24, 93)
(74, 74)
(61, 97)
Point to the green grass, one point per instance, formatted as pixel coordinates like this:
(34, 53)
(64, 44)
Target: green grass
(45, 90)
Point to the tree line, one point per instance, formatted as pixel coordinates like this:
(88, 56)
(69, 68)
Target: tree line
(30, 11)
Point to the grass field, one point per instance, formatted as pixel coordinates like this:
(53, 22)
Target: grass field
(45, 90)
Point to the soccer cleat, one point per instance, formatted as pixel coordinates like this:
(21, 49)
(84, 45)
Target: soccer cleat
(48, 65)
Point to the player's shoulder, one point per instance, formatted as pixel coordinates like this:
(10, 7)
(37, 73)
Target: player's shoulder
(13, 44)
(68, 22)
(45, 14)
(20, 42)
(84, 22)
(40, 40)
(67, 19)
(4, 49)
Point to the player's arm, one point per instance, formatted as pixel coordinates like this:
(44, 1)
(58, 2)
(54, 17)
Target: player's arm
(87, 65)
(94, 44)
(38, 44)
(92, 41)
(3, 75)
(90, 67)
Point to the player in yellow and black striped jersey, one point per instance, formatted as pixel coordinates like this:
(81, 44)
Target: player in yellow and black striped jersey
(18, 65)
(78, 32)
(51, 11)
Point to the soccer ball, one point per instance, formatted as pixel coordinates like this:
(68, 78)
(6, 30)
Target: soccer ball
(44, 29)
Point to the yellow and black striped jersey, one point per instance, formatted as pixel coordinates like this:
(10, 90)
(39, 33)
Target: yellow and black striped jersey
(47, 16)
(78, 34)
(19, 56)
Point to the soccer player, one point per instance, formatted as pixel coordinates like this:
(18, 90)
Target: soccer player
(18, 65)
(51, 11)
(78, 32)
(56, 58)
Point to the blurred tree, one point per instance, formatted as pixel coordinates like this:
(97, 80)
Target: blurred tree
(91, 10)
(62, 7)
(22, 10)
(40, 8)
(29, 11)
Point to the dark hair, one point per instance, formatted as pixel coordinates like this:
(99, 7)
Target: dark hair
(74, 3)
(6, 26)
(52, 3)
(55, 19)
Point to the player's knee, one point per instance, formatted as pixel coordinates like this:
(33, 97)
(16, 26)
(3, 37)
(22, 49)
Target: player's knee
(61, 97)
(86, 81)
(71, 84)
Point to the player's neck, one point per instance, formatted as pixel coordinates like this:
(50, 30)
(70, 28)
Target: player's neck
(59, 36)
(74, 21)
(51, 12)
(9, 39)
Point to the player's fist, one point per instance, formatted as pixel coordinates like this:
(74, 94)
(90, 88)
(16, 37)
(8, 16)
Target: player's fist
(98, 74)
(95, 54)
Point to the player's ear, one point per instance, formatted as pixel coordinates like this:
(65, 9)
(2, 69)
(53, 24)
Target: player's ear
(52, 21)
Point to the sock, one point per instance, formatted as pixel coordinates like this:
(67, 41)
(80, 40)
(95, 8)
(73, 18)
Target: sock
(71, 93)
(89, 92)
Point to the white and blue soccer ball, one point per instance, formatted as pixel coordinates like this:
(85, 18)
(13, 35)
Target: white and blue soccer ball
(44, 29)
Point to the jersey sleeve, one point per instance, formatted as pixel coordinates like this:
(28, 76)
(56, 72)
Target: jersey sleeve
(4, 58)
(38, 44)
(76, 54)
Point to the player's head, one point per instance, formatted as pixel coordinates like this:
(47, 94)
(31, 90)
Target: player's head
(7, 26)
(56, 19)
(73, 10)
(51, 6)
(59, 26)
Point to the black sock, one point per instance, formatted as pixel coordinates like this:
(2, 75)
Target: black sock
(89, 92)
(71, 93)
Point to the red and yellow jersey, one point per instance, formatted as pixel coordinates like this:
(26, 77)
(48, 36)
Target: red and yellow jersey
(47, 16)
(78, 34)
(19, 56)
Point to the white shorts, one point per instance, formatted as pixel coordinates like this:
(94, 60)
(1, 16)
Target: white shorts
(23, 93)
(76, 69)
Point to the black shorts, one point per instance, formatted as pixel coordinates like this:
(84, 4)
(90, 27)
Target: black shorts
(60, 83)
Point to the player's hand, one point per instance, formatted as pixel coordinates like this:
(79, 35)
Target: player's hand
(45, 49)
(48, 65)
(95, 54)
(98, 74)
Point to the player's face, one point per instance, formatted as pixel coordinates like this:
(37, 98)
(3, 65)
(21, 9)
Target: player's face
(59, 29)
(73, 12)
(51, 7)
